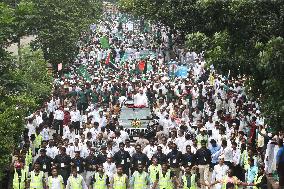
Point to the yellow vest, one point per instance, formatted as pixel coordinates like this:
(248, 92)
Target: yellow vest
(36, 181)
(257, 180)
(192, 181)
(140, 180)
(153, 171)
(244, 159)
(29, 157)
(165, 182)
(50, 178)
(38, 139)
(100, 182)
(76, 183)
(19, 184)
(119, 182)
(226, 181)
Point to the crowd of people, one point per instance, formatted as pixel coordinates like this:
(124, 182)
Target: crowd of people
(206, 132)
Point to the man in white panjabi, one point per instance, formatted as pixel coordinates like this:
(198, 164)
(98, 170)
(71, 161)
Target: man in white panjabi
(140, 99)
(219, 172)
(269, 155)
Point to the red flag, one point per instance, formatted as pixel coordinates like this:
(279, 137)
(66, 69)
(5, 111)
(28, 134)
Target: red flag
(141, 65)
(108, 59)
(59, 67)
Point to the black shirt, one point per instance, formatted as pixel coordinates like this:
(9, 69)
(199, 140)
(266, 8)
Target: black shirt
(63, 159)
(79, 164)
(89, 162)
(122, 158)
(187, 158)
(203, 156)
(175, 158)
(45, 163)
(101, 158)
(139, 158)
(162, 158)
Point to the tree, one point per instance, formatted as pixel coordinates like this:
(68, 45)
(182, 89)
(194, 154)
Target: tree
(24, 87)
(60, 24)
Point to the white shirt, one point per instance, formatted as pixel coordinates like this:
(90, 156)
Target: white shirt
(209, 126)
(219, 172)
(85, 151)
(31, 128)
(102, 121)
(150, 150)
(110, 169)
(70, 136)
(59, 115)
(75, 116)
(50, 106)
(130, 150)
(124, 135)
(45, 133)
(140, 100)
(228, 154)
(180, 142)
(236, 156)
(70, 150)
(52, 152)
(55, 182)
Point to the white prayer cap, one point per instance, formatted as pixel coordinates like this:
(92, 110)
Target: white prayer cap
(202, 129)
(221, 157)
(257, 111)
(66, 109)
(269, 134)
(109, 155)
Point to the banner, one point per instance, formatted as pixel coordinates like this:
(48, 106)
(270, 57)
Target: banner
(82, 71)
(181, 72)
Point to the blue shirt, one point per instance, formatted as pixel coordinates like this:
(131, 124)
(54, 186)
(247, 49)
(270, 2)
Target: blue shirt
(280, 155)
(251, 172)
(213, 150)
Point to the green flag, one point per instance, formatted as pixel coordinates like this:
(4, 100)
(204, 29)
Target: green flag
(82, 71)
(104, 42)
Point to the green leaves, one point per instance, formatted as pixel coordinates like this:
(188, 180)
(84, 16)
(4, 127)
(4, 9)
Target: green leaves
(197, 42)
(24, 87)
(60, 24)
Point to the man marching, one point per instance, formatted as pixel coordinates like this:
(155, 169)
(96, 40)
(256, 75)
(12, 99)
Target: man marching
(55, 181)
(140, 179)
(120, 180)
(76, 181)
(165, 178)
(100, 179)
(153, 170)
